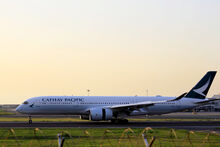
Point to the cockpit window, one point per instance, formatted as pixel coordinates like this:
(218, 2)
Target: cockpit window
(26, 102)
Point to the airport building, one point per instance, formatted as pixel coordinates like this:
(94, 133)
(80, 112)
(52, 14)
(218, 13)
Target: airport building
(216, 104)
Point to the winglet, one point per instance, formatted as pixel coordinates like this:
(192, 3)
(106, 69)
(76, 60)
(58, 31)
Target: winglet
(179, 97)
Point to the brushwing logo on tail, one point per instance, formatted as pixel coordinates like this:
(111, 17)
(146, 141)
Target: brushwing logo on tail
(202, 89)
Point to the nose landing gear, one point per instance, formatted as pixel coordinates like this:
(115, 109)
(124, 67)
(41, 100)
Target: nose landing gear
(30, 120)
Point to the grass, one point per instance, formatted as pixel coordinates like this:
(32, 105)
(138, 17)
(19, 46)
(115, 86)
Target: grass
(81, 137)
(3, 112)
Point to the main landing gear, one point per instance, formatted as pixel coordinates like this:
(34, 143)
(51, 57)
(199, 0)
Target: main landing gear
(30, 120)
(119, 121)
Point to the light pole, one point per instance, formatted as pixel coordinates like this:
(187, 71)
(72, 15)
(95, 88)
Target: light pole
(88, 91)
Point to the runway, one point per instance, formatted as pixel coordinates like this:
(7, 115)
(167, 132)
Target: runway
(189, 125)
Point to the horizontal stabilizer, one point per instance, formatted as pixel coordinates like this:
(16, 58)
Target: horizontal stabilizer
(207, 101)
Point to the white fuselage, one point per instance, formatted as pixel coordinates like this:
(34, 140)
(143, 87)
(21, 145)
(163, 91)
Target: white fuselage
(80, 105)
(98, 108)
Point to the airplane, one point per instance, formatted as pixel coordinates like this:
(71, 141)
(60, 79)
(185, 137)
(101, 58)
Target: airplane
(115, 108)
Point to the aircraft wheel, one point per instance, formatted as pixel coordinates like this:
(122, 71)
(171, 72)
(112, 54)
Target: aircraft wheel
(30, 120)
(113, 121)
(123, 121)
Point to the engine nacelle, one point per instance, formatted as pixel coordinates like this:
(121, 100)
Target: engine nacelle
(85, 117)
(108, 114)
(98, 114)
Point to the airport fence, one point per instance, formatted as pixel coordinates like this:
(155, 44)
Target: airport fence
(111, 138)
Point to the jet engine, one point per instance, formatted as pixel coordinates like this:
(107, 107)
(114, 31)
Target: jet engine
(98, 114)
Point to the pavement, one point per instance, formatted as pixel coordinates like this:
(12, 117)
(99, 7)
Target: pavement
(208, 125)
(189, 125)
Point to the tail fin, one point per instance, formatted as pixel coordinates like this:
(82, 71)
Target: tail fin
(202, 87)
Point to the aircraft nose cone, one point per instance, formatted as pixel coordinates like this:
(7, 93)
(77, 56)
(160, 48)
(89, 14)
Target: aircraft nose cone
(18, 109)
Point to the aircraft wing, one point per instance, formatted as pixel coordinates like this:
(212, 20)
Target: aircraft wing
(135, 105)
(138, 105)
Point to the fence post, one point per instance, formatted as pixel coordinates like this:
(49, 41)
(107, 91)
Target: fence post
(145, 140)
(60, 140)
(152, 141)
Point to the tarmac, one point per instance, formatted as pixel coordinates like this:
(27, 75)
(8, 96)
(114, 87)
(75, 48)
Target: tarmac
(189, 125)
(209, 125)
